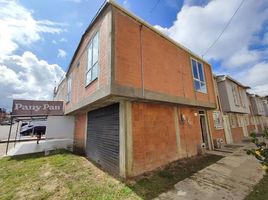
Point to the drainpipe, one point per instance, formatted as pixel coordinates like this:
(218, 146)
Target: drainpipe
(142, 69)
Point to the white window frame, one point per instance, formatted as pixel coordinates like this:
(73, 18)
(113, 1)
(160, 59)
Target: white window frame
(69, 89)
(235, 94)
(198, 79)
(91, 65)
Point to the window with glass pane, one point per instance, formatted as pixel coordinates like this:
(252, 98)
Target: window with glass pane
(199, 78)
(93, 59)
(69, 89)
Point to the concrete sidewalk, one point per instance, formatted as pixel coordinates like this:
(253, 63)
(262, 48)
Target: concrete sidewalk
(231, 178)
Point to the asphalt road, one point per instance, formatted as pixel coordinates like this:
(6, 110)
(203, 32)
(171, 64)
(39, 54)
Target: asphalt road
(4, 130)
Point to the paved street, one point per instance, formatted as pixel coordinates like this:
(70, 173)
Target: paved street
(232, 177)
(4, 130)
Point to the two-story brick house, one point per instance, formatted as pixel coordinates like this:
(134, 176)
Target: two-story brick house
(258, 111)
(140, 99)
(265, 117)
(235, 107)
(217, 120)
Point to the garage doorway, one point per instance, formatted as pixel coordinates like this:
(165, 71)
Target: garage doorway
(103, 137)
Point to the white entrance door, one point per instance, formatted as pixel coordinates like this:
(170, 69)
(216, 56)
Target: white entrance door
(227, 129)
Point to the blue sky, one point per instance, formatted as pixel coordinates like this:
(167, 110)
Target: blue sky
(38, 39)
(78, 14)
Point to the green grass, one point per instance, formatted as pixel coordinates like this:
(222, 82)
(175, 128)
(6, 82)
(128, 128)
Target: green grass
(260, 191)
(58, 176)
(155, 183)
(63, 175)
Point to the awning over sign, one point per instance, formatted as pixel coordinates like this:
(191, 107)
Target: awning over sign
(36, 108)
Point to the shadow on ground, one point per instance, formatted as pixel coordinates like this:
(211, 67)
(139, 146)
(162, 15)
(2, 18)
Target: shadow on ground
(151, 185)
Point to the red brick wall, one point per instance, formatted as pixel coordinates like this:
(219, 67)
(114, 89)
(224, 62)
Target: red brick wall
(237, 134)
(78, 74)
(166, 67)
(250, 128)
(154, 135)
(259, 128)
(80, 133)
(216, 133)
(190, 131)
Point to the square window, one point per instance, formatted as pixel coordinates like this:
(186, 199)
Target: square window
(200, 71)
(203, 87)
(94, 72)
(93, 59)
(197, 85)
(95, 50)
(88, 77)
(198, 76)
(89, 56)
(195, 69)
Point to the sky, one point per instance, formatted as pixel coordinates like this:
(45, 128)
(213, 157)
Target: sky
(38, 39)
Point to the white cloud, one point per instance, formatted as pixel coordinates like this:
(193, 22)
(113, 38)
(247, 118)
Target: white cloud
(63, 40)
(24, 76)
(18, 27)
(199, 23)
(27, 77)
(61, 53)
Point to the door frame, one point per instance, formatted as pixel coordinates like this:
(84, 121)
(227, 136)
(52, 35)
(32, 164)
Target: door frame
(204, 114)
(227, 129)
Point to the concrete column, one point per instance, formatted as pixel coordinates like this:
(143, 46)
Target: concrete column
(125, 160)
(177, 129)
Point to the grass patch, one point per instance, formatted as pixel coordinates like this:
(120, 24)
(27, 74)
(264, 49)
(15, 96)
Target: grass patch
(63, 175)
(260, 191)
(153, 184)
(58, 176)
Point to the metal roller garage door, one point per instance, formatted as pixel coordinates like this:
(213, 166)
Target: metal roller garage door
(103, 137)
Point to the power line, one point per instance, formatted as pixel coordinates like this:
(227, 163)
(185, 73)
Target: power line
(225, 27)
(155, 5)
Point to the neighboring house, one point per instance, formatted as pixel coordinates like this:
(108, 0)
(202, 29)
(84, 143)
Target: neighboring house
(258, 111)
(234, 104)
(2, 114)
(217, 121)
(252, 126)
(139, 99)
(265, 104)
(60, 92)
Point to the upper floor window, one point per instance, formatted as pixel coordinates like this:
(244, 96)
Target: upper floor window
(69, 89)
(199, 78)
(241, 97)
(235, 94)
(93, 59)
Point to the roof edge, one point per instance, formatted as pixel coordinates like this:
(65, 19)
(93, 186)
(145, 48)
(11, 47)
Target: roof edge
(112, 2)
(224, 77)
